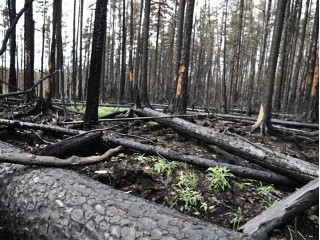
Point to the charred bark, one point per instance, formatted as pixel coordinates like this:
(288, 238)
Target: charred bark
(60, 204)
(283, 211)
(283, 164)
(237, 170)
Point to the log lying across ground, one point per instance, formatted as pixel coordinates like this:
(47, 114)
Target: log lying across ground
(47, 203)
(283, 164)
(69, 146)
(240, 171)
(273, 121)
(44, 127)
(283, 211)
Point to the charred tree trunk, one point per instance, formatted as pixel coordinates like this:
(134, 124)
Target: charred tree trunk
(29, 50)
(312, 58)
(264, 118)
(292, 97)
(183, 78)
(12, 74)
(80, 57)
(123, 54)
(145, 56)
(178, 53)
(91, 115)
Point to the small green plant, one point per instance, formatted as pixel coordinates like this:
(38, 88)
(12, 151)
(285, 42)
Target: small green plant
(190, 197)
(163, 167)
(141, 158)
(187, 193)
(261, 189)
(241, 185)
(292, 232)
(218, 178)
(237, 218)
(204, 206)
(187, 180)
(152, 123)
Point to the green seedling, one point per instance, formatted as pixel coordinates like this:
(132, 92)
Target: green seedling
(237, 218)
(218, 178)
(142, 159)
(163, 167)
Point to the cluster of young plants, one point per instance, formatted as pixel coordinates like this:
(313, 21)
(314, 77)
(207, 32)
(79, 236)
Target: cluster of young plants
(161, 166)
(237, 218)
(187, 190)
(264, 191)
(187, 193)
(218, 178)
(142, 158)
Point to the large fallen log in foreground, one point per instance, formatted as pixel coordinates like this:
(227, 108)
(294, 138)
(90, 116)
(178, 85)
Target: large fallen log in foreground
(240, 171)
(44, 127)
(283, 211)
(283, 164)
(46, 203)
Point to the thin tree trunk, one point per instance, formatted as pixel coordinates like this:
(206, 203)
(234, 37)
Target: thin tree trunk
(183, 81)
(91, 115)
(80, 57)
(144, 66)
(12, 74)
(123, 54)
(29, 50)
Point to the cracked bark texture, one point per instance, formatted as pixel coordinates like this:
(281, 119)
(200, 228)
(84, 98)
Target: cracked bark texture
(47, 203)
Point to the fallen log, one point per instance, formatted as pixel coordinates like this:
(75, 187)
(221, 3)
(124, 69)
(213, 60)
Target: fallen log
(273, 121)
(48, 161)
(135, 118)
(69, 146)
(283, 211)
(52, 203)
(283, 164)
(268, 177)
(43, 127)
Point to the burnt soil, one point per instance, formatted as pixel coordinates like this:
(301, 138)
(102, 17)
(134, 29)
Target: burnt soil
(135, 173)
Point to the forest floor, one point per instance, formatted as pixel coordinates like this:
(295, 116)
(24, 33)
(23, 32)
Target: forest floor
(162, 181)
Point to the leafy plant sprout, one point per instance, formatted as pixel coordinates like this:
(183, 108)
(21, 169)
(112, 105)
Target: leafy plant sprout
(163, 167)
(237, 218)
(141, 158)
(262, 189)
(218, 178)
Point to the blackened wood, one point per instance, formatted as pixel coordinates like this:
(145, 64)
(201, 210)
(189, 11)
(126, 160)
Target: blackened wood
(283, 211)
(283, 164)
(237, 170)
(69, 146)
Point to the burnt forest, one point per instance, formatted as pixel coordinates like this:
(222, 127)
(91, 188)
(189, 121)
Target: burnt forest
(159, 119)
